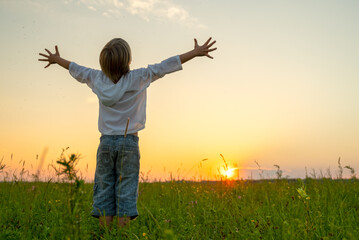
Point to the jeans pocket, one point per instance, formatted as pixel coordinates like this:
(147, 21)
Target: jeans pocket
(104, 159)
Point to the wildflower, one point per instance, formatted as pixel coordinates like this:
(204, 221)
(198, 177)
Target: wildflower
(239, 197)
(143, 234)
(302, 193)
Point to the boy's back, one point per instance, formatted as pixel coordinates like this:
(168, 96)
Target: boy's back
(125, 99)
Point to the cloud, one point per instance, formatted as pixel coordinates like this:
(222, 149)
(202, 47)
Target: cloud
(92, 8)
(136, 7)
(145, 9)
(177, 13)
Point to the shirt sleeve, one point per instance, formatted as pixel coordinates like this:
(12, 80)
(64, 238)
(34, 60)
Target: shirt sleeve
(83, 74)
(170, 65)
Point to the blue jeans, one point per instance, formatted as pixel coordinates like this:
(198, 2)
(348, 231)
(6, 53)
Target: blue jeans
(116, 179)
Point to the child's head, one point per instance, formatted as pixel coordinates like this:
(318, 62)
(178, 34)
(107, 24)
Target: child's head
(115, 59)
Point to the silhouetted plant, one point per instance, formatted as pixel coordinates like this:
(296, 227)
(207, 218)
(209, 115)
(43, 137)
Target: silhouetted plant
(67, 170)
(279, 172)
(261, 172)
(352, 172)
(340, 172)
(2, 165)
(67, 166)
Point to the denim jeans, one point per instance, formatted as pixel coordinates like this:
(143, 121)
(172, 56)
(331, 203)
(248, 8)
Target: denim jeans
(116, 178)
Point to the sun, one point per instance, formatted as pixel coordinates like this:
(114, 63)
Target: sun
(230, 172)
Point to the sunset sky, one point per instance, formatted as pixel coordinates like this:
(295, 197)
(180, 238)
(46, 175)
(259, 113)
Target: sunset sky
(283, 87)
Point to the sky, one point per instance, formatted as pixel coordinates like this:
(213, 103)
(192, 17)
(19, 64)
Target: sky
(282, 88)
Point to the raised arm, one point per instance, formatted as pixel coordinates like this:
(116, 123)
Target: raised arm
(198, 51)
(53, 58)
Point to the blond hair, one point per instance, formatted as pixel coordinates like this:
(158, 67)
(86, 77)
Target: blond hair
(115, 59)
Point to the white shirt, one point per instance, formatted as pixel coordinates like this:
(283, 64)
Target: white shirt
(125, 99)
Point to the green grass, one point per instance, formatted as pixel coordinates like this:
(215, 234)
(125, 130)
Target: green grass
(277, 209)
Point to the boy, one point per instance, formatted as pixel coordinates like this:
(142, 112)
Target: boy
(122, 113)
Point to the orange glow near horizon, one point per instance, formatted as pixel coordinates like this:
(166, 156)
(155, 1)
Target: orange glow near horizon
(230, 173)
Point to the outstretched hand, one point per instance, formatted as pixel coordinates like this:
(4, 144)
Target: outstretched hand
(51, 58)
(198, 51)
(205, 49)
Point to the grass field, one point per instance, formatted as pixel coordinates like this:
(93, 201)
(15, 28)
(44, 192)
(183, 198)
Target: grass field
(280, 209)
(313, 208)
